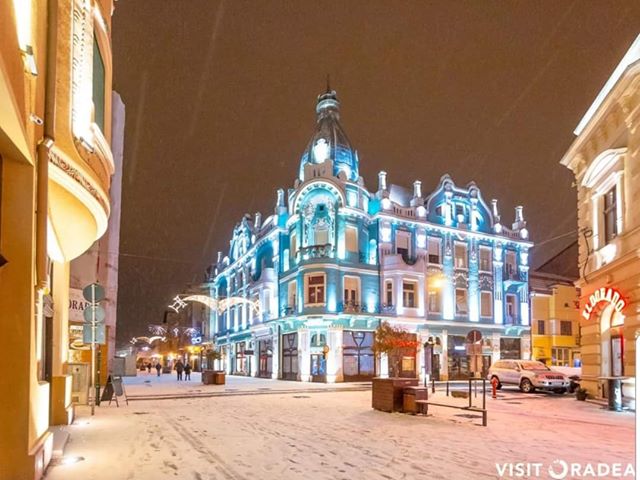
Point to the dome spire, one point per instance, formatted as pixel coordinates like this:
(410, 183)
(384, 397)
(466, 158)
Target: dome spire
(329, 141)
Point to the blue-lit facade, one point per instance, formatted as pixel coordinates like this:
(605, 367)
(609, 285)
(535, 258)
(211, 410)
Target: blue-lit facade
(334, 259)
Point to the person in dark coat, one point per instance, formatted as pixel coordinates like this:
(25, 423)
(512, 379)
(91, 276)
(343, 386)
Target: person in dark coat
(179, 369)
(158, 368)
(149, 367)
(187, 371)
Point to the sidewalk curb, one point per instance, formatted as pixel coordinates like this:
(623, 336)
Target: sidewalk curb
(172, 396)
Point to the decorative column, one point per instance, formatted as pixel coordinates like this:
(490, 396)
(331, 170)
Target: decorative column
(422, 337)
(335, 371)
(448, 291)
(383, 371)
(444, 365)
(275, 355)
(474, 294)
(495, 347)
(304, 355)
(498, 286)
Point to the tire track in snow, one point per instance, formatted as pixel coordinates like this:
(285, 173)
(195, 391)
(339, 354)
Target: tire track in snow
(202, 449)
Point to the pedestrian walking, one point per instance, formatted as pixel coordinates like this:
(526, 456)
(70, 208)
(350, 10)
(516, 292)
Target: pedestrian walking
(187, 371)
(149, 368)
(158, 368)
(179, 369)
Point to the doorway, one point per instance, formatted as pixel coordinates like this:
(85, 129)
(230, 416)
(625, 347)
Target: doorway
(318, 368)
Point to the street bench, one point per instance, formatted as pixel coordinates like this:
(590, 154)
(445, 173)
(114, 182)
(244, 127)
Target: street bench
(423, 408)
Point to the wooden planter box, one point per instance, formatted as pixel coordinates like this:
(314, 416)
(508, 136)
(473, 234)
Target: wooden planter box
(387, 394)
(218, 378)
(410, 395)
(208, 377)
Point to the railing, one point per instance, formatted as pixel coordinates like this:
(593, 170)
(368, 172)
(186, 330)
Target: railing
(316, 251)
(351, 307)
(384, 308)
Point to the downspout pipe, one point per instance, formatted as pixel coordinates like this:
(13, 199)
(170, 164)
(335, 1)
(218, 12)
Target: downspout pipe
(44, 148)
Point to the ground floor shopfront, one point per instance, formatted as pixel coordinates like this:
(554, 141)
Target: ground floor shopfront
(610, 327)
(339, 349)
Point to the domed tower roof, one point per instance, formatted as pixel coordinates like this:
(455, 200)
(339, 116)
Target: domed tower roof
(329, 140)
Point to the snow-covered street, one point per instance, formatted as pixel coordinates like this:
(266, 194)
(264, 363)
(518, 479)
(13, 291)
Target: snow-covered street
(308, 431)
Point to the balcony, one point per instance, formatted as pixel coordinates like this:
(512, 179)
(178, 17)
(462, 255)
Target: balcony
(351, 307)
(316, 251)
(389, 309)
(511, 277)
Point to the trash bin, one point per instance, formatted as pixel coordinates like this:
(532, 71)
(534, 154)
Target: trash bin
(410, 395)
(614, 394)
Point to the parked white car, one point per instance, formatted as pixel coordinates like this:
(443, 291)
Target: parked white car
(529, 375)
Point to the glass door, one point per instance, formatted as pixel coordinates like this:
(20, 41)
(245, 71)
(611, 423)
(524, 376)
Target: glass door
(318, 368)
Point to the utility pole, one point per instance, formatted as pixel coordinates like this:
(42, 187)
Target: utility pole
(94, 315)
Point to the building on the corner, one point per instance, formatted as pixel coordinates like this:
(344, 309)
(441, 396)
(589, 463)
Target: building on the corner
(303, 289)
(55, 174)
(605, 159)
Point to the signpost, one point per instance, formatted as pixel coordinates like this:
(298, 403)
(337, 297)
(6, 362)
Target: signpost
(93, 315)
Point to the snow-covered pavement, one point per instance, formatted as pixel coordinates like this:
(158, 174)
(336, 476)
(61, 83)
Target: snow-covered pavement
(334, 435)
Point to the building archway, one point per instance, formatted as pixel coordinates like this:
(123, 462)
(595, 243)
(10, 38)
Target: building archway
(611, 342)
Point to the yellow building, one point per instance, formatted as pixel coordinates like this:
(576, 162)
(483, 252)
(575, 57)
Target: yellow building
(55, 169)
(555, 320)
(605, 160)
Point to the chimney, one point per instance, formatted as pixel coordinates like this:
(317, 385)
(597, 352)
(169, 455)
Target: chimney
(280, 208)
(417, 189)
(494, 210)
(257, 222)
(382, 181)
(519, 216)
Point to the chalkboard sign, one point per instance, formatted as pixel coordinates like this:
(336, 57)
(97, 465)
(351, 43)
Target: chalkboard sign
(113, 389)
(107, 393)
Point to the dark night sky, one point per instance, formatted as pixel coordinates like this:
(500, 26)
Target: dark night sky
(220, 101)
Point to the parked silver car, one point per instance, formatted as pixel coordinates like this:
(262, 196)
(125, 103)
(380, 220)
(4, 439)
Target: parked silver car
(528, 375)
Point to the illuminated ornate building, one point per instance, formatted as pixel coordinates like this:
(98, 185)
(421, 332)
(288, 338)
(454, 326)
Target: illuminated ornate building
(55, 173)
(604, 158)
(333, 260)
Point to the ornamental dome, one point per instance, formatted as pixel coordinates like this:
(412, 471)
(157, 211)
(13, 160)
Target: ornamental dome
(329, 140)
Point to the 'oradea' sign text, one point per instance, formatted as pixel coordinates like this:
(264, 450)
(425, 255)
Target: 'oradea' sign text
(609, 295)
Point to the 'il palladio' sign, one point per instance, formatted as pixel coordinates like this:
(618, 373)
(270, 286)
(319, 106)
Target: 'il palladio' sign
(609, 295)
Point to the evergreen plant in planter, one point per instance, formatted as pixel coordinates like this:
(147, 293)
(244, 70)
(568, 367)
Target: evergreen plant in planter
(581, 394)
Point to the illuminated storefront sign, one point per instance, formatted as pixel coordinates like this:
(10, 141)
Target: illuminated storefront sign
(609, 295)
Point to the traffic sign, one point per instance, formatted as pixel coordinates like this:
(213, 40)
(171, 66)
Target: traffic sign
(100, 333)
(93, 293)
(91, 310)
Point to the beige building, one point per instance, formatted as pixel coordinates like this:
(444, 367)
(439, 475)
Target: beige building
(605, 159)
(55, 172)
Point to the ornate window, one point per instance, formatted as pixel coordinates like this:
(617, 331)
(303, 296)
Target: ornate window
(435, 303)
(462, 301)
(403, 244)
(388, 292)
(485, 259)
(486, 303)
(409, 294)
(351, 239)
(609, 212)
(461, 255)
(315, 289)
(434, 251)
(351, 292)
